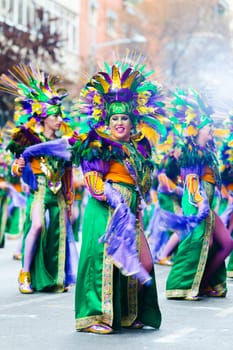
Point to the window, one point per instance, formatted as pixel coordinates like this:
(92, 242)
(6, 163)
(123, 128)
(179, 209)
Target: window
(111, 23)
(22, 14)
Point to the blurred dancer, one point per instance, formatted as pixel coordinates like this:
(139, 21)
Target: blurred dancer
(199, 264)
(46, 263)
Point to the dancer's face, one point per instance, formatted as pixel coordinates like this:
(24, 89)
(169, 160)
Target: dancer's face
(120, 127)
(205, 134)
(53, 122)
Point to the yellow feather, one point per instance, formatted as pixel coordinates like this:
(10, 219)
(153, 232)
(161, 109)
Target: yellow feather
(129, 81)
(149, 133)
(221, 132)
(105, 85)
(116, 80)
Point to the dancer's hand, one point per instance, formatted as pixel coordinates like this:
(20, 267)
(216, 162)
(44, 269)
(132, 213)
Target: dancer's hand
(18, 166)
(3, 185)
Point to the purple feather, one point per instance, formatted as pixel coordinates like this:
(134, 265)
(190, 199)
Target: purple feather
(121, 237)
(126, 74)
(106, 77)
(18, 200)
(121, 240)
(56, 148)
(183, 225)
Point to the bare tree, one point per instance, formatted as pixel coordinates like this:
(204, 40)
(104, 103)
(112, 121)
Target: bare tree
(24, 46)
(187, 41)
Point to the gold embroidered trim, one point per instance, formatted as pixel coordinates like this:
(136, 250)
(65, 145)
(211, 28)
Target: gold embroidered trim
(182, 293)
(62, 241)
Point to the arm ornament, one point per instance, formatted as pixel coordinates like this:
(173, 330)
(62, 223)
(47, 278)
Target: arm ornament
(193, 185)
(168, 186)
(95, 185)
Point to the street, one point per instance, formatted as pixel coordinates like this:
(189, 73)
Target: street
(46, 321)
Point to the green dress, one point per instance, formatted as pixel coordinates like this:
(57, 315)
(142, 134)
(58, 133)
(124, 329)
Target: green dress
(103, 293)
(49, 268)
(3, 204)
(15, 221)
(189, 263)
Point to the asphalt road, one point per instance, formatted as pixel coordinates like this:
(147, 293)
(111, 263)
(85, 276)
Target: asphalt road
(46, 321)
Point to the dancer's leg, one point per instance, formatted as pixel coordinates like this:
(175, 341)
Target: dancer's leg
(32, 237)
(225, 245)
(170, 245)
(145, 254)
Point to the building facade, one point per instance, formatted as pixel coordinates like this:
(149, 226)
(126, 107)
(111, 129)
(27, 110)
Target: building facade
(62, 17)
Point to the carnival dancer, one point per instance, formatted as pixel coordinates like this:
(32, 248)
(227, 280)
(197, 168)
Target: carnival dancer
(199, 264)
(163, 243)
(15, 220)
(118, 286)
(46, 263)
(3, 196)
(226, 171)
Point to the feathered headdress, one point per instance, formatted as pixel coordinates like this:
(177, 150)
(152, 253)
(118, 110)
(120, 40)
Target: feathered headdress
(122, 88)
(35, 92)
(189, 111)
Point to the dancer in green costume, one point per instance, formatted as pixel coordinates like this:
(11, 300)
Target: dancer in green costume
(117, 285)
(15, 220)
(163, 243)
(46, 263)
(3, 197)
(198, 268)
(226, 204)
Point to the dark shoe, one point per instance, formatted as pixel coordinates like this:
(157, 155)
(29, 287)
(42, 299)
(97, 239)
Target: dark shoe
(212, 293)
(136, 325)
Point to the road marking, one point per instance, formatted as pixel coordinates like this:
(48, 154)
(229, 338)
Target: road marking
(17, 316)
(32, 300)
(176, 336)
(225, 312)
(210, 308)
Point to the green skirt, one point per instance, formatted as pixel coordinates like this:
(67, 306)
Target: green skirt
(48, 265)
(103, 294)
(3, 216)
(190, 260)
(170, 202)
(15, 222)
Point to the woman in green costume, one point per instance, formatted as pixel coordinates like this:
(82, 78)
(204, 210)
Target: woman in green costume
(163, 243)
(199, 264)
(46, 263)
(16, 215)
(226, 170)
(3, 197)
(117, 285)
